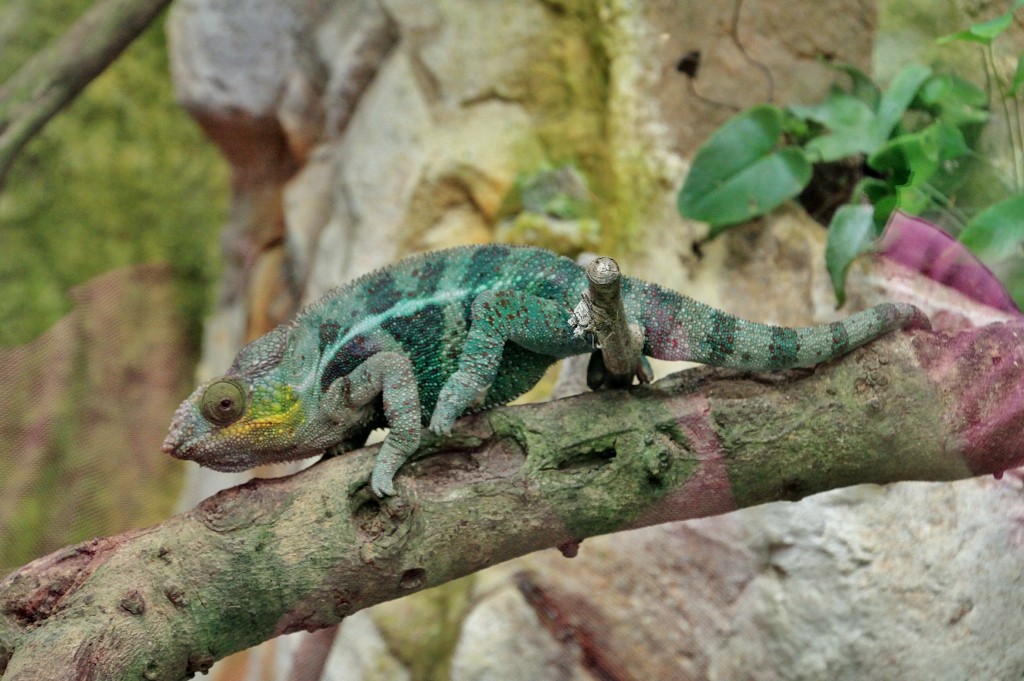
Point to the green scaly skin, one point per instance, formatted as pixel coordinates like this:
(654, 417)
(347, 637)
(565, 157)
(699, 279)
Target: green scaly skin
(425, 340)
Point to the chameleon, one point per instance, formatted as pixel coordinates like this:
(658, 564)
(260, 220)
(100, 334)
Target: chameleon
(422, 341)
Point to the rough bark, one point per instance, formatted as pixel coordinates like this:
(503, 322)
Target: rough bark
(279, 555)
(57, 73)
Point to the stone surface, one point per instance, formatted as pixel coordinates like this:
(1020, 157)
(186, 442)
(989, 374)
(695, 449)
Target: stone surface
(362, 654)
(380, 160)
(504, 640)
(867, 582)
(770, 51)
(484, 50)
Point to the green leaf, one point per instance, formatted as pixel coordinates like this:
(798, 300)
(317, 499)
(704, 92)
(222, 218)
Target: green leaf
(863, 88)
(796, 128)
(949, 139)
(915, 157)
(850, 122)
(997, 232)
(1014, 281)
(954, 100)
(881, 195)
(872, 189)
(754, 191)
(739, 174)
(850, 234)
(911, 161)
(884, 207)
(897, 98)
(854, 128)
(912, 199)
(984, 32)
(742, 140)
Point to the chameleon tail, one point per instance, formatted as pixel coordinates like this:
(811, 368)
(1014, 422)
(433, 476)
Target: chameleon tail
(679, 328)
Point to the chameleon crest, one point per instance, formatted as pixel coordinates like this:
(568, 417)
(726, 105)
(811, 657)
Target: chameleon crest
(425, 340)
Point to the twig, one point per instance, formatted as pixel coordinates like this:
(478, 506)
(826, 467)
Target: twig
(601, 313)
(1002, 92)
(734, 32)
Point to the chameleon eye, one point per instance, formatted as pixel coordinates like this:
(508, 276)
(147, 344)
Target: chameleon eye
(223, 402)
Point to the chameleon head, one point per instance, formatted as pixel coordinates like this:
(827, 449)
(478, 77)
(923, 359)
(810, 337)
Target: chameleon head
(232, 424)
(246, 418)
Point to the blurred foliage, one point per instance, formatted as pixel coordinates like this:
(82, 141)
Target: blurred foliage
(83, 409)
(122, 176)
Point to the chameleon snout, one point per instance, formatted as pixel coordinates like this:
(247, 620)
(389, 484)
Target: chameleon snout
(170, 443)
(179, 432)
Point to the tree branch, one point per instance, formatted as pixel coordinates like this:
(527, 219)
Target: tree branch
(279, 555)
(56, 74)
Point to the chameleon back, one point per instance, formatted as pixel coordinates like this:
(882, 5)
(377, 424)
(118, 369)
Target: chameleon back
(422, 306)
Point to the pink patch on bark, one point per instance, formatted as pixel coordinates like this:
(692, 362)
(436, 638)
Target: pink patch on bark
(924, 247)
(708, 491)
(981, 373)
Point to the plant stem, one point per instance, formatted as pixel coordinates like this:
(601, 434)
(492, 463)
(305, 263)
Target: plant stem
(946, 205)
(1019, 144)
(991, 65)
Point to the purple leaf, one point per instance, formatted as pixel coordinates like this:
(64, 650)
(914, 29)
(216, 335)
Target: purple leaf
(926, 248)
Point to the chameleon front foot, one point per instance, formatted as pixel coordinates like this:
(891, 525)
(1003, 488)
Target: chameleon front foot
(441, 423)
(382, 482)
(389, 460)
(461, 390)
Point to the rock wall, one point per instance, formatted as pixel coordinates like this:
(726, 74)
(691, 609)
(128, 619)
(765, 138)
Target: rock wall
(361, 131)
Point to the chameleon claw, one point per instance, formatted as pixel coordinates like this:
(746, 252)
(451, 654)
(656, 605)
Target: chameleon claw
(463, 389)
(440, 426)
(381, 485)
(443, 418)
